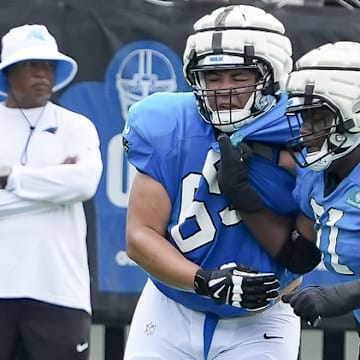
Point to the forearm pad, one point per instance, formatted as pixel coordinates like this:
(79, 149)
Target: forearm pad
(299, 255)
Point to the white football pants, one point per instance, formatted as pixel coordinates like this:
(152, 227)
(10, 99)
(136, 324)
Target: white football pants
(162, 329)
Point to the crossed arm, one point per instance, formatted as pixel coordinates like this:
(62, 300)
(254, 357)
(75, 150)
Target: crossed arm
(28, 188)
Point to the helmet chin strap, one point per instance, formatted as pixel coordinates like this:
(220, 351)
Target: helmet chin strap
(232, 120)
(319, 160)
(326, 157)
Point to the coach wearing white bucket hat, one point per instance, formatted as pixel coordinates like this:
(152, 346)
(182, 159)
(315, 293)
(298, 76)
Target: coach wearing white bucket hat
(34, 42)
(49, 164)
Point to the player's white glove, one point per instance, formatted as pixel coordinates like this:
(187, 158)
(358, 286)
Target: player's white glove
(237, 285)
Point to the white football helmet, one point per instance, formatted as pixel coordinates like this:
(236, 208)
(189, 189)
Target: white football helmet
(327, 78)
(232, 37)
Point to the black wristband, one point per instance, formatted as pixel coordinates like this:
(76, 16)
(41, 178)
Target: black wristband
(299, 255)
(4, 175)
(3, 181)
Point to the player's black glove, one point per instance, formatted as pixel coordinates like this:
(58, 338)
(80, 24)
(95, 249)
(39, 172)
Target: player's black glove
(233, 175)
(237, 285)
(316, 302)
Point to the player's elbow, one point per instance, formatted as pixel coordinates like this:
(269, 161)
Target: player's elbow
(134, 238)
(130, 246)
(138, 244)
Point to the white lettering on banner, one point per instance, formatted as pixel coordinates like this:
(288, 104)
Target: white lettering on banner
(122, 259)
(115, 174)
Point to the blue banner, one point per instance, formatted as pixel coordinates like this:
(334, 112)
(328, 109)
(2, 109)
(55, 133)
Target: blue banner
(137, 70)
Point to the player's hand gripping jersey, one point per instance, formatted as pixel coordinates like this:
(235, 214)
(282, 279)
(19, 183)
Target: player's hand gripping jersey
(166, 138)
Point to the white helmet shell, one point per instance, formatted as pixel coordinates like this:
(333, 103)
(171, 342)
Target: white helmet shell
(230, 29)
(333, 72)
(239, 36)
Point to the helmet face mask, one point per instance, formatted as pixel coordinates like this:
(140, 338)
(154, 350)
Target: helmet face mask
(229, 104)
(237, 38)
(324, 95)
(323, 132)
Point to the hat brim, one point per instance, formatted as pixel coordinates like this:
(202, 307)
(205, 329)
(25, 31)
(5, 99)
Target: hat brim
(65, 69)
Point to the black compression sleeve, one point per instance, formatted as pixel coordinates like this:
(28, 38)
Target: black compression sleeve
(299, 255)
(349, 293)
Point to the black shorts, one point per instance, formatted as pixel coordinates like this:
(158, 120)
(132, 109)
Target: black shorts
(35, 330)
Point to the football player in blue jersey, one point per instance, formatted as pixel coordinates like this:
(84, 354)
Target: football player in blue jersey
(325, 92)
(324, 99)
(213, 291)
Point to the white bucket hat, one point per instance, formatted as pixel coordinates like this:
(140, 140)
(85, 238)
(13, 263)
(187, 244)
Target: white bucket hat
(34, 42)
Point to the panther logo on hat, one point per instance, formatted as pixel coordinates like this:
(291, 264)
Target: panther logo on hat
(34, 42)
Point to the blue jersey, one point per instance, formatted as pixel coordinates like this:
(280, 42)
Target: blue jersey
(167, 139)
(337, 220)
